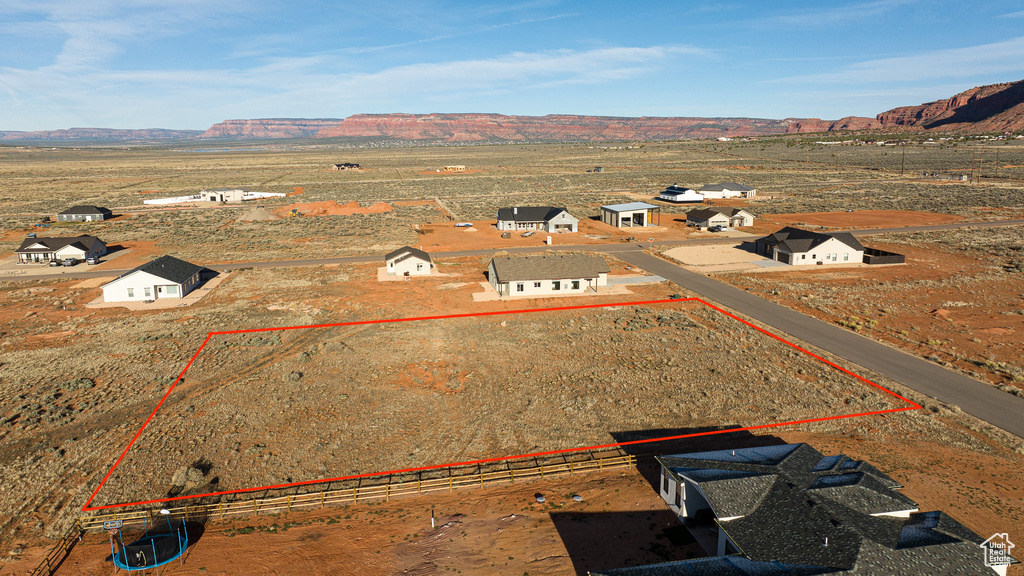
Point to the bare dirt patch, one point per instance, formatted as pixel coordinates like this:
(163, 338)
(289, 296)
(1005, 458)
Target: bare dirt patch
(332, 208)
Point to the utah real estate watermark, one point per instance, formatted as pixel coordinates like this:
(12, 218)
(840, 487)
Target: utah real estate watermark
(997, 550)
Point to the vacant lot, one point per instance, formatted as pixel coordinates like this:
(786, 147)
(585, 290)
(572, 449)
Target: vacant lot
(77, 383)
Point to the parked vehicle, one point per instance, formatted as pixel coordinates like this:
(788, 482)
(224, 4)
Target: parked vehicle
(30, 235)
(528, 233)
(54, 263)
(69, 262)
(92, 260)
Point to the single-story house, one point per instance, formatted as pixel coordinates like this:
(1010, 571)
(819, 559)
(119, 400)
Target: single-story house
(545, 218)
(677, 193)
(630, 214)
(165, 277)
(224, 195)
(40, 250)
(798, 247)
(550, 274)
(345, 166)
(789, 509)
(84, 214)
(727, 190)
(719, 216)
(408, 261)
(455, 168)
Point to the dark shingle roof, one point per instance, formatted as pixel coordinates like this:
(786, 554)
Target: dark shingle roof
(529, 213)
(406, 252)
(86, 210)
(548, 267)
(799, 240)
(716, 566)
(817, 514)
(169, 268)
(52, 244)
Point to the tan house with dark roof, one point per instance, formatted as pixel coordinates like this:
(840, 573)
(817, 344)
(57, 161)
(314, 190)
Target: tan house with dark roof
(547, 275)
(42, 250)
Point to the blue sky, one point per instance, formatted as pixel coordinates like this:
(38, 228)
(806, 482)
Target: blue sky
(192, 63)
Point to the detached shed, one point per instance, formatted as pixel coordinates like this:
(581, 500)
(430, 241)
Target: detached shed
(632, 214)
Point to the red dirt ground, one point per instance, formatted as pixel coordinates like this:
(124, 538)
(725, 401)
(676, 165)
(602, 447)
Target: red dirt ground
(332, 208)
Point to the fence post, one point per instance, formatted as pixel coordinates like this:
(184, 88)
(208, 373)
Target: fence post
(322, 496)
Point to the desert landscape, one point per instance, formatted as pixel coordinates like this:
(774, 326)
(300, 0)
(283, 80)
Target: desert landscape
(266, 408)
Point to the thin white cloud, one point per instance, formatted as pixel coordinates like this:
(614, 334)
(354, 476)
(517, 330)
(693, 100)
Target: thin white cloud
(998, 58)
(1013, 15)
(831, 15)
(290, 86)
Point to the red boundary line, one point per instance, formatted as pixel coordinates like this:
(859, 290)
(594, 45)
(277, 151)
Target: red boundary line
(86, 508)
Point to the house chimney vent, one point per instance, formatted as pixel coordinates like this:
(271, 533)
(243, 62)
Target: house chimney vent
(515, 210)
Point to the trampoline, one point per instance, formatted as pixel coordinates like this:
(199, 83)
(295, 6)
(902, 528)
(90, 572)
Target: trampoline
(155, 548)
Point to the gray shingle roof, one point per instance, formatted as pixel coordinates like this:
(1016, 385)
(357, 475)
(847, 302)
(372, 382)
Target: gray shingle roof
(529, 213)
(817, 515)
(798, 240)
(52, 244)
(169, 268)
(86, 210)
(406, 252)
(548, 267)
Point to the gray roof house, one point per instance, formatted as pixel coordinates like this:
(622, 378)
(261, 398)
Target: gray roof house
(630, 214)
(84, 214)
(791, 510)
(677, 193)
(543, 218)
(408, 261)
(716, 215)
(547, 275)
(164, 277)
(38, 250)
(797, 247)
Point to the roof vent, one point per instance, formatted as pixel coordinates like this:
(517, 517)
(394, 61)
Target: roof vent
(515, 210)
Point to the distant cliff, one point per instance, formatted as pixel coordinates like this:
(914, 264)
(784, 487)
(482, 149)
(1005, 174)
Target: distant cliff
(265, 128)
(554, 127)
(992, 108)
(102, 134)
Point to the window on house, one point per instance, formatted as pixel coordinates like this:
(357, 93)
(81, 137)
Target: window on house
(131, 292)
(172, 290)
(575, 284)
(520, 287)
(419, 267)
(536, 284)
(556, 285)
(147, 292)
(846, 256)
(665, 484)
(803, 256)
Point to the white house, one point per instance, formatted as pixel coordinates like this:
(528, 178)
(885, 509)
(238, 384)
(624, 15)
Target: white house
(550, 274)
(801, 247)
(677, 193)
(408, 261)
(719, 216)
(165, 277)
(42, 250)
(630, 214)
(545, 218)
(727, 190)
(84, 214)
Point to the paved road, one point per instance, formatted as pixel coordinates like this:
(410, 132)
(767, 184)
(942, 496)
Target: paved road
(976, 398)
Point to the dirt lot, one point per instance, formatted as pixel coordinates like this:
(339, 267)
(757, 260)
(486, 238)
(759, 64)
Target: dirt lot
(856, 219)
(76, 383)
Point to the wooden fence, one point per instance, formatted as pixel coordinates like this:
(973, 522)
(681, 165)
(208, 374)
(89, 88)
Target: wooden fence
(55, 557)
(390, 488)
